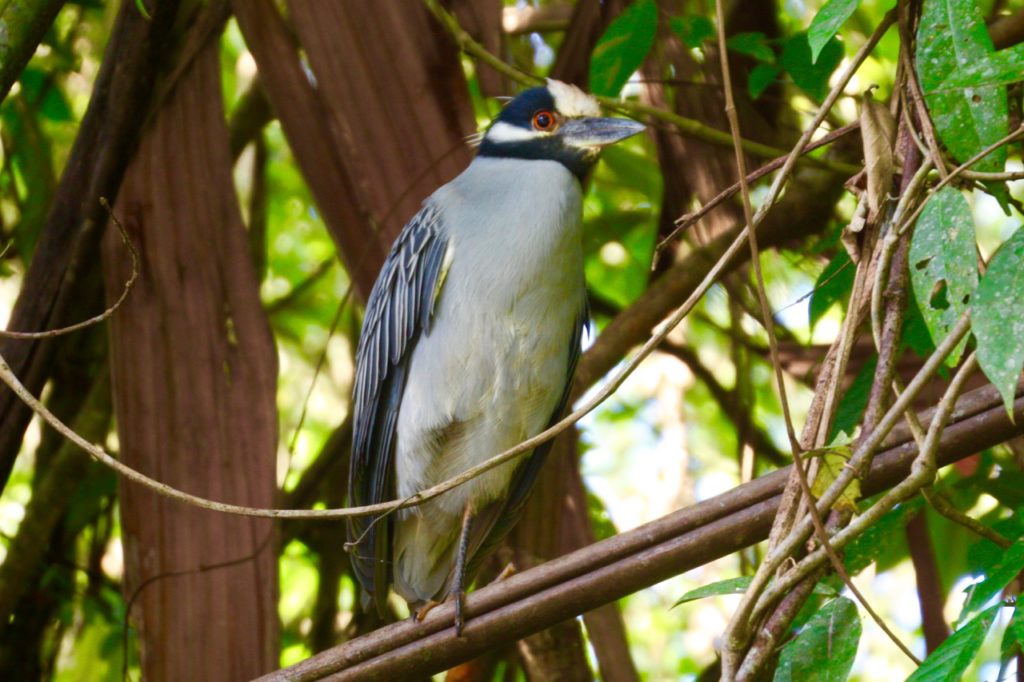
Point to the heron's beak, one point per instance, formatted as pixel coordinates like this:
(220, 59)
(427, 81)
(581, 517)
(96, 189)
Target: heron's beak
(598, 132)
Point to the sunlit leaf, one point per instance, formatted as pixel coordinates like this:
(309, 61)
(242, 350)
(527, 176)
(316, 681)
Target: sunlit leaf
(968, 115)
(826, 23)
(948, 662)
(622, 48)
(825, 648)
(943, 264)
(831, 462)
(997, 317)
(728, 586)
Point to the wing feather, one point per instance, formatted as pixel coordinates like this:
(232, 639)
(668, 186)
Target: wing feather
(399, 309)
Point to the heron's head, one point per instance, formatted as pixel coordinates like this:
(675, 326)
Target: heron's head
(556, 122)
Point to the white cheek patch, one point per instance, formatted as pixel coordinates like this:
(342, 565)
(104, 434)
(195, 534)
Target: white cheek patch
(572, 102)
(506, 132)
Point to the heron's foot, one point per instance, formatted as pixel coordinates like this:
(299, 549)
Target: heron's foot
(427, 607)
(460, 618)
(506, 573)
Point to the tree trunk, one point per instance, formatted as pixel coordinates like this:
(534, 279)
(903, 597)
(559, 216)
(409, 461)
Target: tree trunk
(194, 376)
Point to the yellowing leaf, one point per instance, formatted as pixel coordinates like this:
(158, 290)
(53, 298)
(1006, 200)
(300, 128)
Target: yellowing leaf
(831, 462)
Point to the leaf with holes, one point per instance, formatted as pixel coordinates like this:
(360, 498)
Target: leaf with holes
(997, 317)
(826, 23)
(623, 47)
(825, 648)
(943, 264)
(968, 115)
(950, 660)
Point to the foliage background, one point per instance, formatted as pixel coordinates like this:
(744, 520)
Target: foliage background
(675, 433)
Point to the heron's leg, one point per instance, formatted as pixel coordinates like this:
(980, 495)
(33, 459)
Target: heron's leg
(459, 585)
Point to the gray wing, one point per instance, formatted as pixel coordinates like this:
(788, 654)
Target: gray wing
(399, 309)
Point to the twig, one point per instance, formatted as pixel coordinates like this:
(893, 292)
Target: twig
(737, 633)
(689, 126)
(922, 474)
(685, 221)
(943, 506)
(106, 314)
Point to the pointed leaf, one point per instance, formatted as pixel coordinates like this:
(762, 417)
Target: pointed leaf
(950, 660)
(623, 47)
(833, 286)
(968, 116)
(826, 23)
(997, 317)
(728, 586)
(943, 264)
(693, 29)
(761, 76)
(811, 76)
(996, 578)
(825, 648)
(753, 45)
(1013, 638)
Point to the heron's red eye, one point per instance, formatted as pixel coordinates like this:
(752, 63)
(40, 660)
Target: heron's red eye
(544, 121)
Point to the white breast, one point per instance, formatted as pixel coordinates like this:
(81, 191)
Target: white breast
(496, 360)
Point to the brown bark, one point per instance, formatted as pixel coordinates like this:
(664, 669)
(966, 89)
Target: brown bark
(589, 20)
(194, 375)
(929, 587)
(50, 295)
(382, 126)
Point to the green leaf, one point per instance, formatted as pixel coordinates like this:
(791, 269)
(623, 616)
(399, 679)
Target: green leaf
(623, 47)
(996, 578)
(753, 45)
(728, 586)
(997, 317)
(833, 286)
(692, 29)
(943, 264)
(825, 648)
(950, 660)
(971, 114)
(1013, 638)
(761, 76)
(811, 76)
(854, 401)
(826, 24)
(737, 586)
